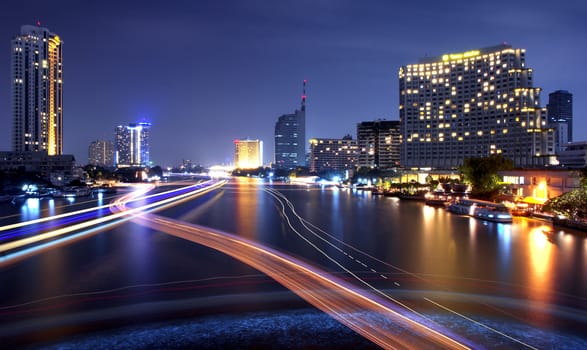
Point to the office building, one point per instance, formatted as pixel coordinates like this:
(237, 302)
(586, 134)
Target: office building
(290, 137)
(560, 110)
(101, 153)
(37, 90)
(472, 104)
(132, 145)
(378, 144)
(248, 154)
(335, 155)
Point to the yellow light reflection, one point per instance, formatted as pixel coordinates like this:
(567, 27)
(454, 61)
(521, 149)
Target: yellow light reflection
(540, 254)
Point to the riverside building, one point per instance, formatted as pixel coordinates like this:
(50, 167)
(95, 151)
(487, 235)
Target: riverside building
(37, 90)
(290, 137)
(248, 154)
(333, 154)
(472, 104)
(101, 153)
(132, 145)
(378, 144)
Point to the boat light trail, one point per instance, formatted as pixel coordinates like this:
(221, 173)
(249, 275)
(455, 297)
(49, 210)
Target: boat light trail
(383, 323)
(100, 224)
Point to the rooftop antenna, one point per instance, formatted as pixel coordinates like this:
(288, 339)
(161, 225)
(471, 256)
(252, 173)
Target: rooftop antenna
(304, 96)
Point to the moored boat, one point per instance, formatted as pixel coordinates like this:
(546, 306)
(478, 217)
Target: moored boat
(479, 209)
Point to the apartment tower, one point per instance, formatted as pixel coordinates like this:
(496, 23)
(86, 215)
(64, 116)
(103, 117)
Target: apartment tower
(37, 91)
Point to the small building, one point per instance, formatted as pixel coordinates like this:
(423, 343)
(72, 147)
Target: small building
(58, 168)
(574, 155)
(536, 186)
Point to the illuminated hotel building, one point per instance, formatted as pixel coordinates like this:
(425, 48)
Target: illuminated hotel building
(379, 144)
(248, 154)
(37, 89)
(132, 145)
(290, 137)
(101, 153)
(333, 154)
(472, 104)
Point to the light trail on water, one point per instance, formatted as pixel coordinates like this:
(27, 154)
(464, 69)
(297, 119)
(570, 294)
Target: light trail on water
(283, 200)
(374, 318)
(17, 250)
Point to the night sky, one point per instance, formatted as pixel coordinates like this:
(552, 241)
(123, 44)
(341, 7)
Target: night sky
(208, 72)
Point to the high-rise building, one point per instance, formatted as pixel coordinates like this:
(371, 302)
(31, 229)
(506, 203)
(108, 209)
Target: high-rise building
(101, 153)
(560, 111)
(132, 145)
(472, 104)
(333, 154)
(290, 137)
(37, 91)
(248, 154)
(379, 144)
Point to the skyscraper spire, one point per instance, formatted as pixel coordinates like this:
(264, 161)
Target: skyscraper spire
(304, 96)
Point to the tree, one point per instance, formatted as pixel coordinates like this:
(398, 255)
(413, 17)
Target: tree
(481, 173)
(572, 204)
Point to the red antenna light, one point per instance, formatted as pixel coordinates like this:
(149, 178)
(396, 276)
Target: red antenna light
(39, 23)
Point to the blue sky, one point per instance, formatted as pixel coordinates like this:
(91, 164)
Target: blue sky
(208, 72)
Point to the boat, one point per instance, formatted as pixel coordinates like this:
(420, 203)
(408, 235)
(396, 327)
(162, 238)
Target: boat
(437, 199)
(377, 191)
(479, 209)
(493, 214)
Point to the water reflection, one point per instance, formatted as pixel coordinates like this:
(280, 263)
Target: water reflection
(541, 252)
(30, 209)
(246, 208)
(504, 234)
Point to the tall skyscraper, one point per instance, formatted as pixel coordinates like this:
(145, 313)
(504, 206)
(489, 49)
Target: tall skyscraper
(560, 110)
(379, 144)
(472, 104)
(290, 137)
(248, 154)
(37, 91)
(132, 145)
(101, 153)
(333, 154)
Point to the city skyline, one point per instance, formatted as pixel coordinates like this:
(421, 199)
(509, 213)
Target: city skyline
(242, 65)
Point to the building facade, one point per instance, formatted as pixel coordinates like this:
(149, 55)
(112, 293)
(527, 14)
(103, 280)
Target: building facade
(37, 91)
(541, 184)
(132, 145)
(58, 168)
(574, 155)
(101, 153)
(378, 144)
(248, 154)
(472, 104)
(560, 111)
(333, 154)
(290, 138)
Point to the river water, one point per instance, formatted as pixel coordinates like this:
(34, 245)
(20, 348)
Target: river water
(523, 284)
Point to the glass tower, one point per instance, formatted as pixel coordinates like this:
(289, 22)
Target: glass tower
(290, 138)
